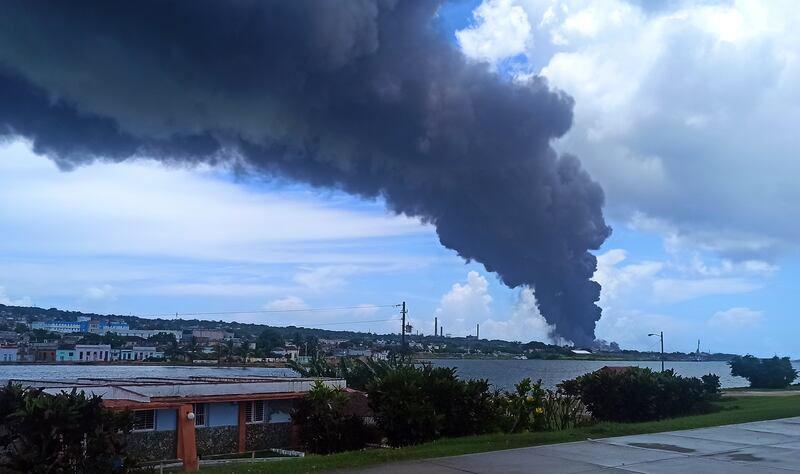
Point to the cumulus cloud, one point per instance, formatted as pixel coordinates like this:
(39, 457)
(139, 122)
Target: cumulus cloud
(464, 305)
(289, 303)
(101, 293)
(525, 323)
(736, 318)
(669, 282)
(685, 112)
(7, 300)
(637, 295)
(501, 31)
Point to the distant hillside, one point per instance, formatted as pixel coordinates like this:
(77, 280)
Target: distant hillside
(454, 344)
(135, 322)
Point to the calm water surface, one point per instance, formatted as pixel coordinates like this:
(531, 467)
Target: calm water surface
(505, 373)
(501, 373)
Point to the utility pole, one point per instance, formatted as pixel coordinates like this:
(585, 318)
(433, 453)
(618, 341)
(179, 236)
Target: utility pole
(403, 332)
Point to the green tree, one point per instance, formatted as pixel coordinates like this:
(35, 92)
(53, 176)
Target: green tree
(776, 372)
(268, 340)
(417, 404)
(162, 339)
(324, 421)
(63, 433)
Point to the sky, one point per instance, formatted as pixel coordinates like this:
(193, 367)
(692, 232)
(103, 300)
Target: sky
(684, 113)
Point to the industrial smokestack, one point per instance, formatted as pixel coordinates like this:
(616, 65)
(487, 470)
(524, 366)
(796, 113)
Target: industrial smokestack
(478, 332)
(368, 97)
(435, 326)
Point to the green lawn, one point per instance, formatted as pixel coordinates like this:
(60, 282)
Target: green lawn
(731, 410)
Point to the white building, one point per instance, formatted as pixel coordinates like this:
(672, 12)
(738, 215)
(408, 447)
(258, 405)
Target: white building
(9, 354)
(146, 333)
(289, 352)
(63, 327)
(137, 353)
(93, 352)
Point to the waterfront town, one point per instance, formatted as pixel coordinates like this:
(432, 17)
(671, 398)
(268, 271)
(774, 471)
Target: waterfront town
(37, 335)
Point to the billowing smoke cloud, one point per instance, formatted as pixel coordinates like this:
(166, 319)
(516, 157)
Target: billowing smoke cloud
(364, 96)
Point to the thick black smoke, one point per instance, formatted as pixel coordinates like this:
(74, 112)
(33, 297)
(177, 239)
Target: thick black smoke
(364, 96)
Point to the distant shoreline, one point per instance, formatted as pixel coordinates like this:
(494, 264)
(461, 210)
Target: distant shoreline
(211, 364)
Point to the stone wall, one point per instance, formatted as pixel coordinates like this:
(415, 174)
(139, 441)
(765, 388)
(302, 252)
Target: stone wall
(153, 445)
(217, 440)
(268, 435)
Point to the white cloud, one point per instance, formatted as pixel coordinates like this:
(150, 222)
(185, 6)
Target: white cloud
(684, 113)
(101, 293)
(143, 209)
(736, 318)
(501, 31)
(7, 300)
(525, 324)
(145, 230)
(619, 281)
(630, 329)
(673, 290)
(327, 277)
(289, 303)
(665, 283)
(365, 310)
(465, 305)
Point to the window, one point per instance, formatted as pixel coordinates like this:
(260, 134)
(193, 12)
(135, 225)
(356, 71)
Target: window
(144, 420)
(254, 411)
(199, 410)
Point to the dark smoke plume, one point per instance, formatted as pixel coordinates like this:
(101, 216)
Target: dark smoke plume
(364, 96)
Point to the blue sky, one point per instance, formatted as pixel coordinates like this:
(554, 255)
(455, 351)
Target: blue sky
(683, 114)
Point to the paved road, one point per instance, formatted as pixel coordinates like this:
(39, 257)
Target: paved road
(760, 447)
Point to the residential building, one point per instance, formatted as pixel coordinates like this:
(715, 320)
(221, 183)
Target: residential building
(136, 353)
(199, 416)
(102, 327)
(211, 335)
(66, 353)
(83, 324)
(61, 326)
(42, 352)
(93, 352)
(145, 333)
(288, 352)
(9, 354)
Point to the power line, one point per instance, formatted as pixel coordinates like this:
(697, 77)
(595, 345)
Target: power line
(357, 322)
(297, 310)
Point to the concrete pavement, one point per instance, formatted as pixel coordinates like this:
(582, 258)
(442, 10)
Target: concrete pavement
(760, 447)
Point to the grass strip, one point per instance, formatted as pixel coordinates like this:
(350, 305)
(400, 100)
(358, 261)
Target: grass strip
(729, 411)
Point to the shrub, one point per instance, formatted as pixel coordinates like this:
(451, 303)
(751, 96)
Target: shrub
(776, 372)
(325, 426)
(562, 410)
(522, 409)
(67, 432)
(639, 394)
(403, 409)
(414, 404)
